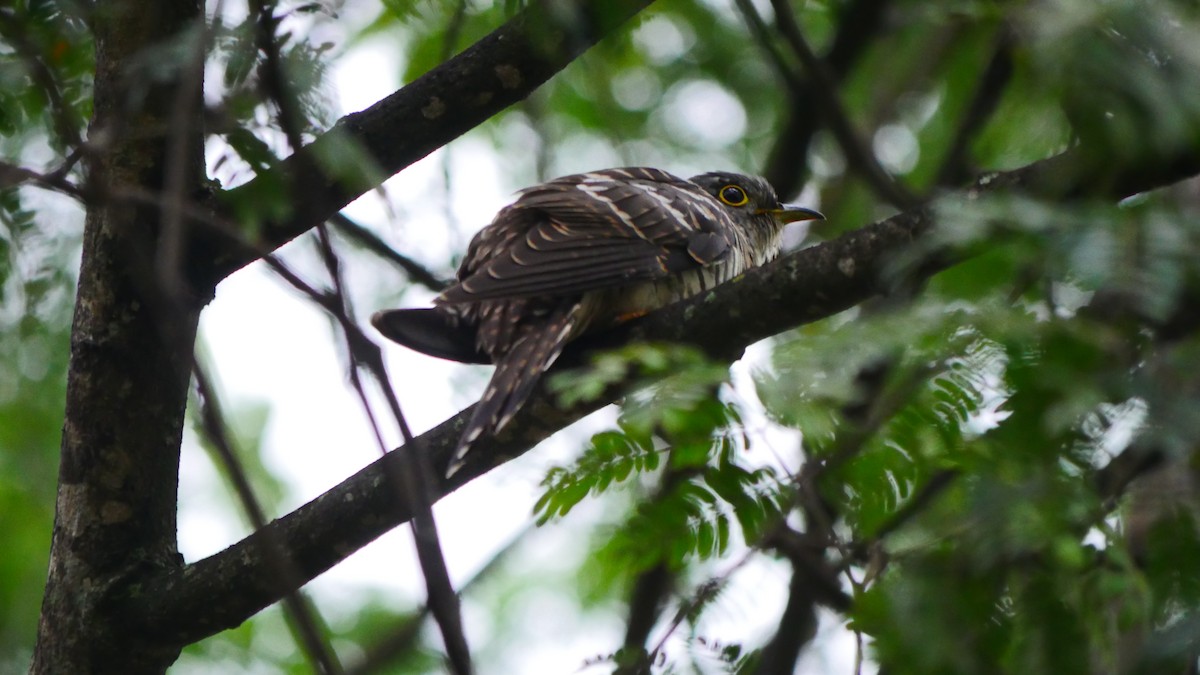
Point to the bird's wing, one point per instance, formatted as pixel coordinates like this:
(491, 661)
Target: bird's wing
(593, 231)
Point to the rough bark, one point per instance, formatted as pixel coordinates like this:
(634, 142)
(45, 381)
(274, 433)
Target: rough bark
(130, 361)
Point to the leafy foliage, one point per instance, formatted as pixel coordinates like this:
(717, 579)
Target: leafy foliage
(705, 489)
(957, 446)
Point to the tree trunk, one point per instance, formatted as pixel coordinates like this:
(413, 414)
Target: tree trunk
(131, 344)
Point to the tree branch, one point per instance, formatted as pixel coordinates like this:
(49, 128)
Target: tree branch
(807, 285)
(797, 627)
(364, 238)
(858, 24)
(366, 147)
(988, 93)
(115, 510)
(225, 589)
(828, 101)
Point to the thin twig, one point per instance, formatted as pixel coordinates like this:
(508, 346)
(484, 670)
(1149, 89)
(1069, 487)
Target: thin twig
(73, 157)
(704, 594)
(988, 93)
(184, 143)
(412, 488)
(12, 176)
(857, 24)
(935, 486)
(273, 77)
(453, 30)
(416, 272)
(380, 655)
(365, 354)
(829, 102)
(302, 614)
(763, 35)
(876, 407)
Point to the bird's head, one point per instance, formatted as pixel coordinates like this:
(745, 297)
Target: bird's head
(752, 198)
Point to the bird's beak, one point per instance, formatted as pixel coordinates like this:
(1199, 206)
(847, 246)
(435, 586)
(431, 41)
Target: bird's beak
(793, 213)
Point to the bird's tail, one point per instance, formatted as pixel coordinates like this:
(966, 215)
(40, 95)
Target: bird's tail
(435, 332)
(516, 375)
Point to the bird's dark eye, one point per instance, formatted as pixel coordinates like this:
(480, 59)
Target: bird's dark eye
(733, 195)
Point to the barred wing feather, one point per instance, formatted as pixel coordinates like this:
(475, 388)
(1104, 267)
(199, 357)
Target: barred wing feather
(594, 231)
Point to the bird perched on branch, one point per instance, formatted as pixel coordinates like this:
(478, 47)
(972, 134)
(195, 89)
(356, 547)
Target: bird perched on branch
(581, 253)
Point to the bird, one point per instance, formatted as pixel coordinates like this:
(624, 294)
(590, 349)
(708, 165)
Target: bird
(581, 253)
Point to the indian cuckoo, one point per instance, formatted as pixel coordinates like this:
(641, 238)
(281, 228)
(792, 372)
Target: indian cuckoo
(580, 253)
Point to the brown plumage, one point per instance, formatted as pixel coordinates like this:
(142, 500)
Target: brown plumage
(580, 253)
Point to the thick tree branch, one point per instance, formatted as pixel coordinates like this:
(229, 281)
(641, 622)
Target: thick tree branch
(365, 148)
(225, 589)
(115, 511)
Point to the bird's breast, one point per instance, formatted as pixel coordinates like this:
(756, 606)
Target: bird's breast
(610, 306)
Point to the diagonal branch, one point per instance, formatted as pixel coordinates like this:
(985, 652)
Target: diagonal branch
(361, 236)
(993, 82)
(858, 23)
(365, 356)
(227, 588)
(365, 148)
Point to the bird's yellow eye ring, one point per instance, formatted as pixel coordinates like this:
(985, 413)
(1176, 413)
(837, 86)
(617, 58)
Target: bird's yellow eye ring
(733, 195)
